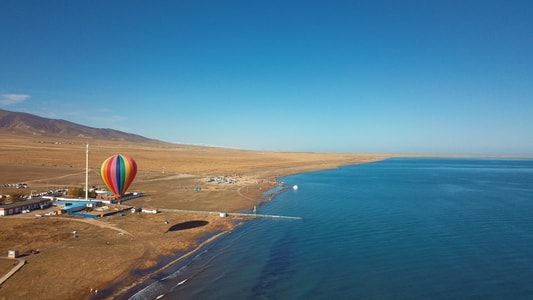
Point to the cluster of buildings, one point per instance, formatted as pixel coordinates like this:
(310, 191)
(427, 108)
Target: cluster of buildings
(222, 179)
(66, 205)
(19, 185)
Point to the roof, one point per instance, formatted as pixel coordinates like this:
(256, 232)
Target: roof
(25, 202)
(75, 206)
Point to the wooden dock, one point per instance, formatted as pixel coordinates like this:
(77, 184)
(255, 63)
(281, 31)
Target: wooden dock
(248, 215)
(17, 267)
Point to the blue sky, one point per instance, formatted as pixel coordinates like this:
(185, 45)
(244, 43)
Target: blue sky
(329, 76)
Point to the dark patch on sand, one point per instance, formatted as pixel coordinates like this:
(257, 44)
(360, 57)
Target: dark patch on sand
(188, 225)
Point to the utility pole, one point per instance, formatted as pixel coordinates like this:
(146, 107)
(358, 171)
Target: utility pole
(87, 172)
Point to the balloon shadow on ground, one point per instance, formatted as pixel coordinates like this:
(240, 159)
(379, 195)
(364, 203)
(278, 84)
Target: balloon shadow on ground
(188, 225)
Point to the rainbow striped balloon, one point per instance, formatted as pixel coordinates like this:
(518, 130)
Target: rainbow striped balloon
(118, 172)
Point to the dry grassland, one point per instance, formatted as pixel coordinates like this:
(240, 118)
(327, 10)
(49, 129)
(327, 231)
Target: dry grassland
(108, 249)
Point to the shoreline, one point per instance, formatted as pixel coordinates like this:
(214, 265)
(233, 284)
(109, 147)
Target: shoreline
(130, 290)
(125, 261)
(137, 286)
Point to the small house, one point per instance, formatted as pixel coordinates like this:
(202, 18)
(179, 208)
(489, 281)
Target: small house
(12, 254)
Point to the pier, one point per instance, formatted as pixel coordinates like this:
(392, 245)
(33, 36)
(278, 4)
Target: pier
(16, 267)
(249, 215)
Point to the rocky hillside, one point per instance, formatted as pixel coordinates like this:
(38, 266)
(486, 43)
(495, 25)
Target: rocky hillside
(31, 125)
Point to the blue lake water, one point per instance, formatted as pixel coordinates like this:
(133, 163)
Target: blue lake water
(404, 228)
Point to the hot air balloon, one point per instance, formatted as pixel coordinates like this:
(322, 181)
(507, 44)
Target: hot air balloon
(118, 172)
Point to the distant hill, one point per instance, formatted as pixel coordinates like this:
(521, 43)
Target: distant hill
(31, 125)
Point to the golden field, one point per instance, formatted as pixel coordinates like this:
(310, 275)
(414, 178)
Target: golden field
(109, 248)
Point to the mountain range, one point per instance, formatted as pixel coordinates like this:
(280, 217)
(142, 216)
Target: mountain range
(25, 124)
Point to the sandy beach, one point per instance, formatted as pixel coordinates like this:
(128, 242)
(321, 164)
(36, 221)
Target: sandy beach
(114, 254)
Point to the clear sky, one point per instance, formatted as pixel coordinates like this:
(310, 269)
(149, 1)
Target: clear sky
(332, 76)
